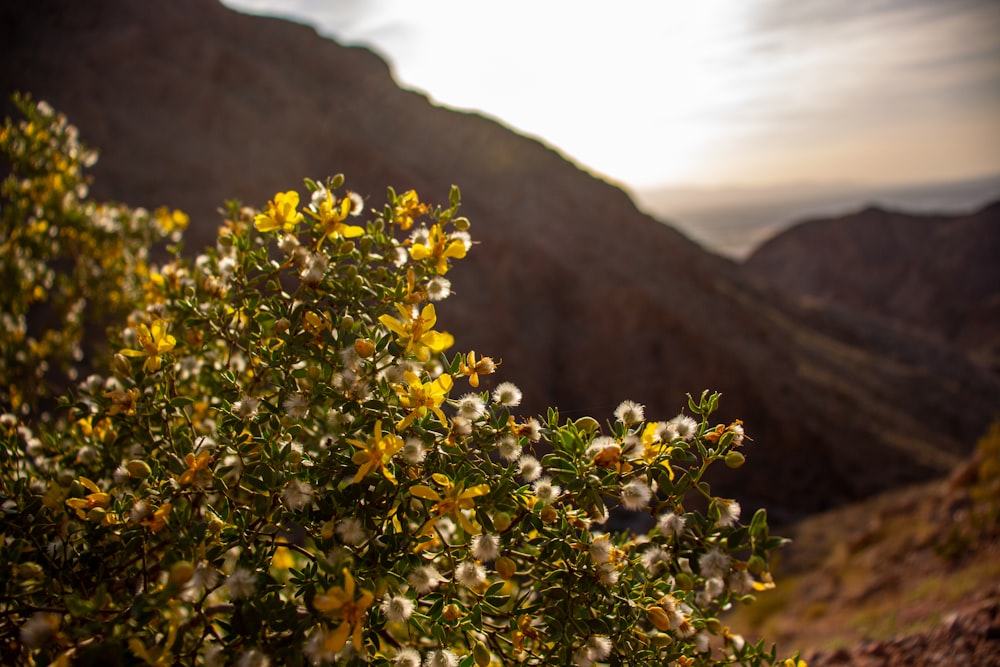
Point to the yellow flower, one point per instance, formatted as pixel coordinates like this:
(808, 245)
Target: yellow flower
(331, 216)
(654, 449)
(316, 324)
(154, 341)
(376, 453)
(455, 499)
(419, 398)
(340, 603)
(415, 332)
(282, 213)
(122, 401)
(476, 367)
(413, 295)
(407, 208)
(158, 520)
(439, 248)
(282, 558)
(197, 467)
(171, 220)
(97, 499)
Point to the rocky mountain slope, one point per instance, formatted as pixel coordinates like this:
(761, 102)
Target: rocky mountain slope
(586, 300)
(911, 577)
(935, 274)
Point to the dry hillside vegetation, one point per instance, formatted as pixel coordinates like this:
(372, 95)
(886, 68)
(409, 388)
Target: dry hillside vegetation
(909, 577)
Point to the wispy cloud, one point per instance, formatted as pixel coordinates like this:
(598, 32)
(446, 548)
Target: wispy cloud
(712, 91)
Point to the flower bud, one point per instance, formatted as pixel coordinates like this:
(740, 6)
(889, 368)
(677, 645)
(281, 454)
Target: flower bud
(684, 581)
(181, 573)
(662, 641)
(327, 529)
(482, 655)
(347, 247)
(659, 618)
(501, 521)
(506, 567)
(120, 365)
(138, 469)
(451, 612)
(735, 459)
(461, 223)
(347, 323)
(364, 347)
(756, 565)
(29, 571)
(587, 424)
(548, 515)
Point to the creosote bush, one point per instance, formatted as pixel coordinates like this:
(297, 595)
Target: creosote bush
(284, 462)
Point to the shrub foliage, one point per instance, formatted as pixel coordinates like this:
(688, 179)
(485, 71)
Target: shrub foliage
(280, 459)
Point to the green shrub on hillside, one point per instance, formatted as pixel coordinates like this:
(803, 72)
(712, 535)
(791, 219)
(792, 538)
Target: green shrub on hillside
(283, 462)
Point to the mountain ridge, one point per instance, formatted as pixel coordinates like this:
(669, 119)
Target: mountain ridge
(933, 273)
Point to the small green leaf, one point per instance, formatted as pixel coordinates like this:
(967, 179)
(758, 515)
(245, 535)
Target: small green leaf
(78, 607)
(758, 525)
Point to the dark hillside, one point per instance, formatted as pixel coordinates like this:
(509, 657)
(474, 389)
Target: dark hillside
(935, 274)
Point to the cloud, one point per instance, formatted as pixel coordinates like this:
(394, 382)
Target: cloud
(712, 91)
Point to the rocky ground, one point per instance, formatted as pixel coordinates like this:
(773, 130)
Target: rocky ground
(908, 578)
(967, 637)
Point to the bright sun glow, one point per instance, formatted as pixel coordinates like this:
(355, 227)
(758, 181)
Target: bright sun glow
(712, 92)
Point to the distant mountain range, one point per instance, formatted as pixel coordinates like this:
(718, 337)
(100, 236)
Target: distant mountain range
(587, 300)
(734, 220)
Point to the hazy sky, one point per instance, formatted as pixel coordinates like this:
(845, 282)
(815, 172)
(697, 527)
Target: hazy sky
(710, 92)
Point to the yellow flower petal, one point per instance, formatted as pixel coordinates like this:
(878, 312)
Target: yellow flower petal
(425, 492)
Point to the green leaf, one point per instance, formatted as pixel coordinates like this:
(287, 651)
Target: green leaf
(77, 606)
(495, 589)
(181, 402)
(476, 617)
(758, 525)
(662, 478)
(736, 538)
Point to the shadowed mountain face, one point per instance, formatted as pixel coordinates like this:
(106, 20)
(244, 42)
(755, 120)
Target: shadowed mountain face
(586, 300)
(933, 273)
